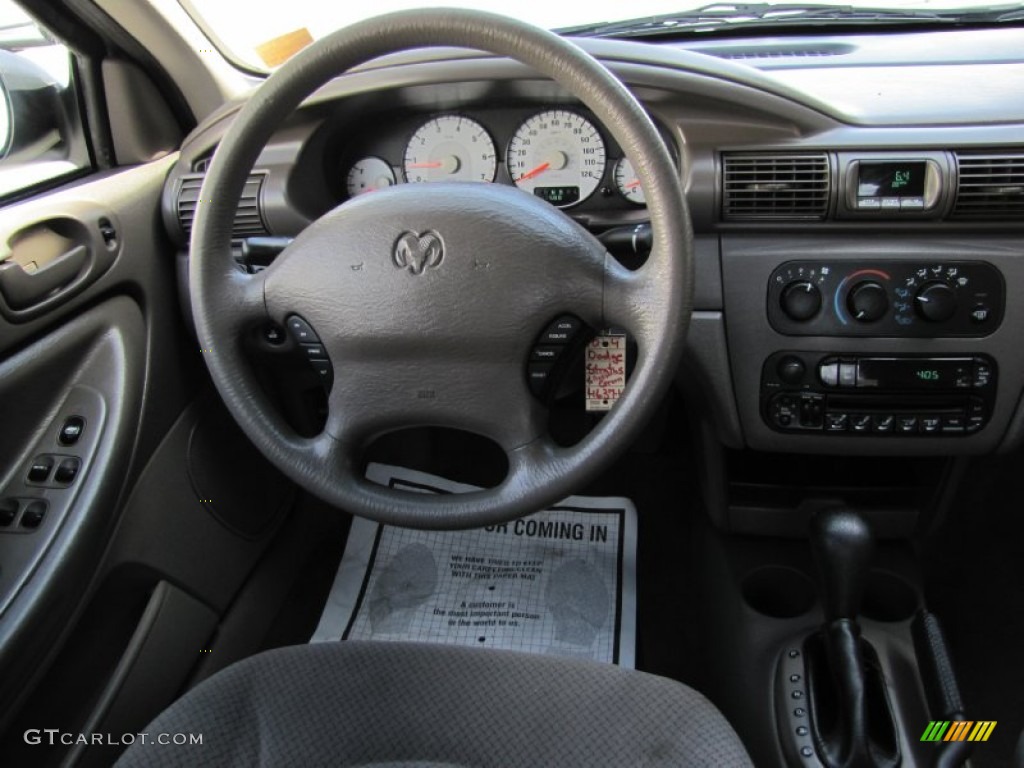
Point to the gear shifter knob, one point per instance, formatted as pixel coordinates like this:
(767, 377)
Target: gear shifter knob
(841, 542)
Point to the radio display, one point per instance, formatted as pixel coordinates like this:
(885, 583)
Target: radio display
(947, 373)
(891, 179)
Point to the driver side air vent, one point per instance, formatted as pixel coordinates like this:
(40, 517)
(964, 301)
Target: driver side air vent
(989, 187)
(775, 186)
(248, 217)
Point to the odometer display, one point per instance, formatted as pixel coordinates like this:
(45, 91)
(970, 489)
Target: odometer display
(554, 153)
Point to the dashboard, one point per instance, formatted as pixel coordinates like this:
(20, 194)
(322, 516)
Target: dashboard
(857, 248)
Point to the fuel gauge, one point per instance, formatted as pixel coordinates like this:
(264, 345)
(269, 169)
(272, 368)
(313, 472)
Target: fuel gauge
(368, 175)
(627, 182)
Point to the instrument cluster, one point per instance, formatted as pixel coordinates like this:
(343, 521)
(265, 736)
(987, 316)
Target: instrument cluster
(559, 154)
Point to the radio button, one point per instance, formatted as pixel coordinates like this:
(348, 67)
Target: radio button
(906, 424)
(953, 424)
(847, 374)
(931, 424)
(982, 374)
(836, 422)
(884, 423)
(860, 422)
(829, 374)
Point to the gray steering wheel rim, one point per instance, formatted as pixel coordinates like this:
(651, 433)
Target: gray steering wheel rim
(223, 298)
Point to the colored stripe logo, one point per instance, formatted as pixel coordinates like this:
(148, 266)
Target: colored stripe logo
(959, 730)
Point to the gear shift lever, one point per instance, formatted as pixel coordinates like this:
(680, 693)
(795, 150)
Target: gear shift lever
(841, 543)
(846, 725)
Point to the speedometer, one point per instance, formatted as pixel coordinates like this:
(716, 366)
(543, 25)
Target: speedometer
(557, 155)
(450, 148)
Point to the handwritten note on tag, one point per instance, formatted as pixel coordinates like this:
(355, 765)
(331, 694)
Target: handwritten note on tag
(606, 370)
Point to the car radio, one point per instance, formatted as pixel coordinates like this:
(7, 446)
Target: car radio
(902, 395)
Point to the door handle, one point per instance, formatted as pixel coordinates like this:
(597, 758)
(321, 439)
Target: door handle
(22, 289)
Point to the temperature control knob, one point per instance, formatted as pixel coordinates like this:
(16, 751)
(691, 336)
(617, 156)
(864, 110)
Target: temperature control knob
(801, 300)
(935, 302)
(867, 301)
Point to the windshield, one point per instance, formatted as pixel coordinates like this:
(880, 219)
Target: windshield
(260, 36)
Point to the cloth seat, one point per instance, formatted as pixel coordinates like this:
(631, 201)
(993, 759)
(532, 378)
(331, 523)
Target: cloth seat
(412, 704)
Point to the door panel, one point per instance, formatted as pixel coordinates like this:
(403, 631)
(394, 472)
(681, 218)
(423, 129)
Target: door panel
(102, 341)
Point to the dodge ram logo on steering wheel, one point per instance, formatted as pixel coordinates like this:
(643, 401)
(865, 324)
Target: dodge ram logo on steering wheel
(418, 253)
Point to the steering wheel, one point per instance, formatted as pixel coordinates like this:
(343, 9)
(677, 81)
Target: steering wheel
(427, 298)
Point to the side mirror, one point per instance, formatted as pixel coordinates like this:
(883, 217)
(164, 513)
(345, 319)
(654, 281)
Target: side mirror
(32, 113)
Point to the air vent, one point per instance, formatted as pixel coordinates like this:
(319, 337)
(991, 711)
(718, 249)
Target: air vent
(248, 218)
(775, 186)
(202, 165)
(782, 51)
(990, 187)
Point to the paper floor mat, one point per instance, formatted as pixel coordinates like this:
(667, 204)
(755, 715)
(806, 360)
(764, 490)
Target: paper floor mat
(561, 581)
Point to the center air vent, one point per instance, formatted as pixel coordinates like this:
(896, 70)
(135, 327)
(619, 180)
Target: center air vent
(990, 187)
(248, 217)
(775, 186)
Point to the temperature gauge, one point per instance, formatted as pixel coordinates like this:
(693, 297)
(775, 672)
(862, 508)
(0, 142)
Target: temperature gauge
(369, 175)
(627, 182)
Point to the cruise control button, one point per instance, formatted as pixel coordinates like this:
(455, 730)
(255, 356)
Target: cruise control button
(561, 331)
(314, 351)
(906, 424)
(33, 514)
(302, 331)
(67, 471)
(930, 424)
(40, 470)
(8, 511)
(71, 430)
(537, 375)
(546, 354)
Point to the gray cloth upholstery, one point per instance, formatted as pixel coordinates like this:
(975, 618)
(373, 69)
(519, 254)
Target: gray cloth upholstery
(408, 704)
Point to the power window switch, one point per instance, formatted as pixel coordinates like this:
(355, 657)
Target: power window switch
(67, 471)
(8, 511)
(40, 470)
(71, 430)
(33, 514)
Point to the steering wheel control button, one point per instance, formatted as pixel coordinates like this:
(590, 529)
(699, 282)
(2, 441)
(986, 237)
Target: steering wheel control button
(537, 376)
(8, 511)
(561, 331)
(314, 351)
(302, 331)
(40, 470)
(33, 514)
(71, 430)
(323, 369)
(546, 354)
(67, 471)
(274, 334)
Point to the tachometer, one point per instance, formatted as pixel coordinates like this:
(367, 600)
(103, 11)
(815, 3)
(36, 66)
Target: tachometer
(627, 183)
(369, 174)
(557, 155)
(450, 148)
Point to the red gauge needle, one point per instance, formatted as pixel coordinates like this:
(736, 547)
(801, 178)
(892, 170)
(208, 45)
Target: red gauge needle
(425, 165)
(633, 184)
(535, 172)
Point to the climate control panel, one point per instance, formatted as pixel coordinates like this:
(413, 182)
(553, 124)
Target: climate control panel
(886, 298)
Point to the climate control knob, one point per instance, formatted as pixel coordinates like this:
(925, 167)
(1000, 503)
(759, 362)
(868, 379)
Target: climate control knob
(935, 302)
(801, 300)
(867, 301)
